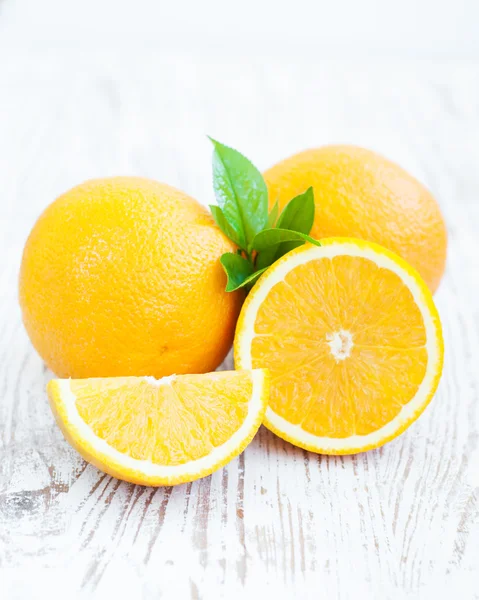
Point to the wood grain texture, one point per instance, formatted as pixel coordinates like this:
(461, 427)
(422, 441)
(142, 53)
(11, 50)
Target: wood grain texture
(399, 522)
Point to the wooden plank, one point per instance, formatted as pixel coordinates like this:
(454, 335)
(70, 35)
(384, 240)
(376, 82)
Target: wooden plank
(399, 522)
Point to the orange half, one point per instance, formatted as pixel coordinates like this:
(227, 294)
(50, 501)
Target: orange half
(353, 342)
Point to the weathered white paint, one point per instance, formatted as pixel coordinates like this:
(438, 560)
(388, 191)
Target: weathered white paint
(400, 522)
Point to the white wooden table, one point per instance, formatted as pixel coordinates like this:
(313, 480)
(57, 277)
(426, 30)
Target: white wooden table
(399, 522)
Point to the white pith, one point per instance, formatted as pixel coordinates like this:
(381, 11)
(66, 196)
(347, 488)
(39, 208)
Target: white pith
(276, 275)
(341, 343)
(159, 382)
(146, 467)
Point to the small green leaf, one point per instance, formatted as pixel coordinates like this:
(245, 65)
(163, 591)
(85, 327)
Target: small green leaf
(267, 238)
(267, 256)
(286, 247)
(223, 224)
(273, 215)
(241, 193)
(251, 280)
(237, 269)
(298, 214)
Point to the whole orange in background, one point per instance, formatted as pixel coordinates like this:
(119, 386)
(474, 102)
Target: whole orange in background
(121, 276)
(361, 194)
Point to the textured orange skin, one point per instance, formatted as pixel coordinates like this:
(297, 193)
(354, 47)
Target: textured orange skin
(360, 194)
(121, 276)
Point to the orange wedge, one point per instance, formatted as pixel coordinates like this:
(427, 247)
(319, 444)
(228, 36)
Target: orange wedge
(161, 431)
(353, 342)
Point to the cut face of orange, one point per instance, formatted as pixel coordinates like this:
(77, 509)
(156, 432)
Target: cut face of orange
(353, 342)
(161, 431)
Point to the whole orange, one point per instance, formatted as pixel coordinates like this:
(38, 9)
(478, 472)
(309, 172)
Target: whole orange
(121, 276)
(361, 194)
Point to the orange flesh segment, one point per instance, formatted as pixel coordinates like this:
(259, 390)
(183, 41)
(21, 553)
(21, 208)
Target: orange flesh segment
(166, 424)
(385, 364)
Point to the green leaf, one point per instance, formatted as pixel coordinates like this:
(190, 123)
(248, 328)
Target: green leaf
(286, 247)
(267, 256)
(223, 224)
(241, 193)
(272, 244)
(237, 269)
(273, 215)
(251, 280)
(267, 238)
(298, 214)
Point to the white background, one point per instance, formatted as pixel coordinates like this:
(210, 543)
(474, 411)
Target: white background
(99, 88)
(406, 28)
